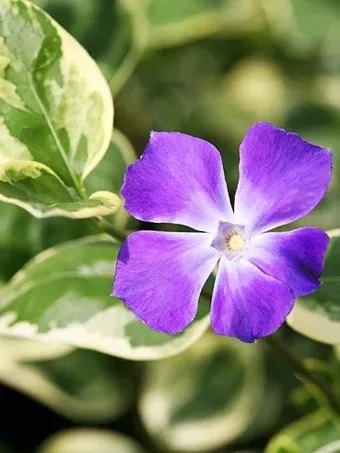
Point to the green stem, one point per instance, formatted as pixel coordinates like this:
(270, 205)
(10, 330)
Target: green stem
(100, 225)
(303, 372)
(110, 229)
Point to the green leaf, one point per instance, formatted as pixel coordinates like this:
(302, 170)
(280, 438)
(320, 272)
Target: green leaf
(63, 295)
(315, 433)
(19, 239)
(81, 385)
(22, 236)
(318, 315)
(55, 106)
(163, 12)
(36, 188)
(311, 20)
(89, 441)
(204, 398)
(127, 44)
(174, 22)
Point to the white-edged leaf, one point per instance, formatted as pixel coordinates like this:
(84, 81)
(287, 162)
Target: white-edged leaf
(63, 295)
(81, 385)
(317, 316)
(205, 397)
(331, 447)
(18, 349)
(316, 433)
(89, 441)
(55, 105)
(37, 189)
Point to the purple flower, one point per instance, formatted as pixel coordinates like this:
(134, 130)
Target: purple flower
(179, 179)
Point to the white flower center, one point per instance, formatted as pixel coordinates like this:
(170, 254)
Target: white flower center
(231, 241)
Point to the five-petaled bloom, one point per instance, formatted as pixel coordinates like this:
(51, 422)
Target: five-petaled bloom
(179, 179)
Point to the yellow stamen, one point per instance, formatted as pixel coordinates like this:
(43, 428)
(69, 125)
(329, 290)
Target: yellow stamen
(235, 242)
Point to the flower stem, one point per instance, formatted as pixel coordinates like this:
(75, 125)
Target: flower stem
(110, 229)
(300, 369)
(101, 225)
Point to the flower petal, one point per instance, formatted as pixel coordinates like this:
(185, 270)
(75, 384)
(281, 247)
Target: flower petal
(282, 178)
(160, 276)
(247, 304)
(179, 179)
(296, 258)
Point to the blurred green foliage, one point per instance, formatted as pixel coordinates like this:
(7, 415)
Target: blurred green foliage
(209, 68)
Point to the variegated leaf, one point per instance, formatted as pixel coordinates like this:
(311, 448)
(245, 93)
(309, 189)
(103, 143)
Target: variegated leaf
(36, 188)
(81, 385)
(23, 350)
(89, 441)
(63, 295)
(56, 111)
(205, 398)
(316, 433)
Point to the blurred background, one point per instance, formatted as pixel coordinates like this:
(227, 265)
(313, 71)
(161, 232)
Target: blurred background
(209, 68)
